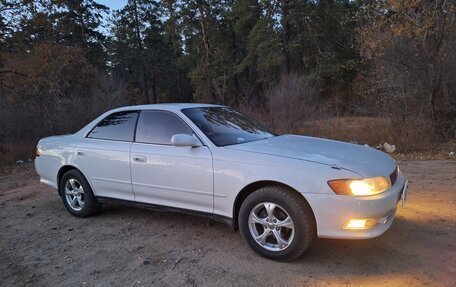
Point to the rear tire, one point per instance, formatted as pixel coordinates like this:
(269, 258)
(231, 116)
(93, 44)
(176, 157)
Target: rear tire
(77, 195)
(277, 223)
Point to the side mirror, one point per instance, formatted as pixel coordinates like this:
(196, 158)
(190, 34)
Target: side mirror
(184, 140)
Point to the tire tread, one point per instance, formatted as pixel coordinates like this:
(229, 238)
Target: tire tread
(91, 204)
(303, 219)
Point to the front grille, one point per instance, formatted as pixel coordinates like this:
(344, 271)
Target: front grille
(393, 176)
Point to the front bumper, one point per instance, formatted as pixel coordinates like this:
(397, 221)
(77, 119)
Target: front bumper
(333, 211)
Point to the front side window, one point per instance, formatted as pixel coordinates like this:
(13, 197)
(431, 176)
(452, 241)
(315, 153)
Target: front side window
(117, 126)
(225, 126)
(158, 127)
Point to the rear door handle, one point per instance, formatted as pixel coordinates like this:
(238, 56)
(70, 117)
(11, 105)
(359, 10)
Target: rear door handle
(81, 153)
(137, 158)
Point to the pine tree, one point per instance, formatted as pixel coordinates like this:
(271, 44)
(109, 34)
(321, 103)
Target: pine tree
(78, 22)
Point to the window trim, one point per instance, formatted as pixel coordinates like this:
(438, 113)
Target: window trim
(126, 111)
(169, 112)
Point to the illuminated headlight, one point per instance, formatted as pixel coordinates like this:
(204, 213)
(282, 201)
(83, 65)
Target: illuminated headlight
(360, 187)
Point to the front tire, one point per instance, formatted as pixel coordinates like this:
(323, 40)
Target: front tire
(277, 223)
(77, 195)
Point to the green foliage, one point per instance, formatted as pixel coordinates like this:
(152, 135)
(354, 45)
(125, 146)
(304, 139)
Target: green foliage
(221, 51)
(264, 54)
(285, 59)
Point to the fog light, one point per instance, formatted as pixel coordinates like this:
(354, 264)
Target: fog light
(360, 224)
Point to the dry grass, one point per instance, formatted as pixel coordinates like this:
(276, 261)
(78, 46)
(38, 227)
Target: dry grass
(10, 153)
(410, 137)
(372, 131)
(407, 135)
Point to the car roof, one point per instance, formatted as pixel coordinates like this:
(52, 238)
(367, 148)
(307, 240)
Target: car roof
(168, 106)
(174, 107)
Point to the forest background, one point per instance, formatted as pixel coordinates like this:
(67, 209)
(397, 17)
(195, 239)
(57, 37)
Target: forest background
(364, 71)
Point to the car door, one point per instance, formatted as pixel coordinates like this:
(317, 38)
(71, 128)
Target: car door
(104, 155)
(163, 174)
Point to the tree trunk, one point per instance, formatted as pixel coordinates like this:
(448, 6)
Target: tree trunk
(204, 32)
(154, 86)
(206, 46)
(432, 99)
(140, 53)
(83, 30)
(179, 86)
(285, 35)
(437, 42)
(175, 43)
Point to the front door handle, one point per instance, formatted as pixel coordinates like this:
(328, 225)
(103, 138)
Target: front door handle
(139, 158)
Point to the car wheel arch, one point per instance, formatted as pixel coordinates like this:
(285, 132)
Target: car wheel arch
(64, 169)
(252, 187)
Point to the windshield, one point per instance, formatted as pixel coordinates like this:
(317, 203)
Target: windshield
(225, 126)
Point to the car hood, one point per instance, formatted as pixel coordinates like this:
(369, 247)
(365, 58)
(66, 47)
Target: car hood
(363, 160)
(56, 138)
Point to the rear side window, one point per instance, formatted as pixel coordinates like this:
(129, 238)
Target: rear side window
(117, 126)
(157, 127)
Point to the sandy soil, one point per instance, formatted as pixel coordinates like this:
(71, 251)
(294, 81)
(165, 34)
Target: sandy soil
(43, 245)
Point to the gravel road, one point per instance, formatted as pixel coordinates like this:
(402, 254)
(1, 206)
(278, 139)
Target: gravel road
(41, 244)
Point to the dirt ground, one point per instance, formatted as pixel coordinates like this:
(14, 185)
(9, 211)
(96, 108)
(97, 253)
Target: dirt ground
(41, 244)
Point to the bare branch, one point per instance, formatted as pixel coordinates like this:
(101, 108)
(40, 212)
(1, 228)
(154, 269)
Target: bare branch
(13, 72)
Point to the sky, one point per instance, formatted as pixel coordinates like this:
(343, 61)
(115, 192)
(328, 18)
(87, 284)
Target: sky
(113, 4)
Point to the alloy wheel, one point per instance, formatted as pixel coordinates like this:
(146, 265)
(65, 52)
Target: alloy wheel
(74, 194)
(271, 226)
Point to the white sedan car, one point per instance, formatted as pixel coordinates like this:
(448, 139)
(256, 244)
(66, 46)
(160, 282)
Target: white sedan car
(280, 191)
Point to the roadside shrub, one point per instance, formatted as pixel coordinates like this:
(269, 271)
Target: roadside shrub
(407, 134)
(51, 90)
(290, 102)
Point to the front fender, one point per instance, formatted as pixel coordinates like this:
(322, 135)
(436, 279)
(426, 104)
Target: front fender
(234, 170)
